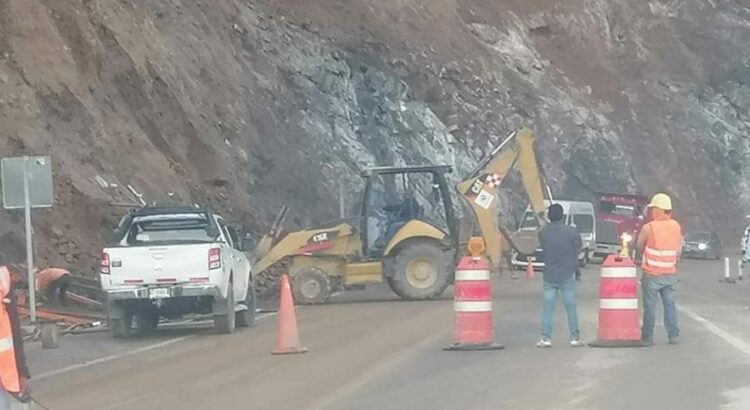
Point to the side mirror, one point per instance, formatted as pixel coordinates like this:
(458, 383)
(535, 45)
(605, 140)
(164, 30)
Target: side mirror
(247, 243)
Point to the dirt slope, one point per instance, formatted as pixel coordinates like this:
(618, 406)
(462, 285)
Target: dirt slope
(248, 105)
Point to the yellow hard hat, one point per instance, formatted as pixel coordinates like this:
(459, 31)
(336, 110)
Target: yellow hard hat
(661, 201)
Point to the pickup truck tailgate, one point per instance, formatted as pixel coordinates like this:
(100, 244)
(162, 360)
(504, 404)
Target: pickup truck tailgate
(151, 265)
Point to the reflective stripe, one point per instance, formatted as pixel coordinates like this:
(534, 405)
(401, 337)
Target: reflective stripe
(618, 303)
(657, 264)
(4, 281)
(619, 272)
(472, 306)
(473, 275)
(6, 344)
(660, 253)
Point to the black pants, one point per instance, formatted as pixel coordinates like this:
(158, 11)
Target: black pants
(57, 290)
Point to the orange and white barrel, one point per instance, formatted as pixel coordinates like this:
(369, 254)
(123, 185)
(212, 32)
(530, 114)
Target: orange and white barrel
(472, 306)
(618, 304)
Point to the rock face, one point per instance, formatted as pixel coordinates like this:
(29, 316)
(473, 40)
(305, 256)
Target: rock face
(248, 105)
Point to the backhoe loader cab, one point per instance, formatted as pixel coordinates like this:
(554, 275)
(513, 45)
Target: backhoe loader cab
(406, 236)
(396, 196)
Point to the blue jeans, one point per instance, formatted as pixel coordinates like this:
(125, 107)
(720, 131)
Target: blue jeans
(652, 287)
(8, 402)
(549, 299)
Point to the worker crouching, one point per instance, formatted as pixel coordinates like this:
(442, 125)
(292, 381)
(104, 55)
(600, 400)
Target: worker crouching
(54, 283)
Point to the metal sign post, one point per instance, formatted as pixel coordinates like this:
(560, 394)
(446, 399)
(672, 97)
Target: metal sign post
(29, 242)
(27, 184)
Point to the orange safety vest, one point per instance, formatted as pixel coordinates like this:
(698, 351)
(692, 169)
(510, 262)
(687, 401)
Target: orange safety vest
(662, 247)
(9, 377)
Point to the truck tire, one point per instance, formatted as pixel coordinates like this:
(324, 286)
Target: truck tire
(585, 260)
(311, 286)
(420, 271)
(146, 321)
(122, 328)
(225, 323)
(246, 318)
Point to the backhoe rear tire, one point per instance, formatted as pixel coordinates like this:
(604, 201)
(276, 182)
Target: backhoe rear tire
(311, 286)
(421, 270)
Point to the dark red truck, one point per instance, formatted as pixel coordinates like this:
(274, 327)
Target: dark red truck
(617, 214)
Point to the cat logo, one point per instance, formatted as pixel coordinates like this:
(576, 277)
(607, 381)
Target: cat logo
(476, 187)
(323, 237)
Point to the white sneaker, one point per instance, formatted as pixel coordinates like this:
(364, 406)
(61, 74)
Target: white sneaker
(544, 343)
(575, 343)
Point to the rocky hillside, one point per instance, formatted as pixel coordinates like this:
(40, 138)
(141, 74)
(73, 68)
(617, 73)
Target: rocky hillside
(251, 104)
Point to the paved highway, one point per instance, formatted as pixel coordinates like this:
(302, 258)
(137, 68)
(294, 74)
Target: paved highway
(371, 351)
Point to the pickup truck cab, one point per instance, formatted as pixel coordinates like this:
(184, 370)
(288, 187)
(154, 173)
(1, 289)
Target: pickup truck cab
(168, 262)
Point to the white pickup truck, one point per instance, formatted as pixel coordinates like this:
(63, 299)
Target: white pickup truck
(168, 262)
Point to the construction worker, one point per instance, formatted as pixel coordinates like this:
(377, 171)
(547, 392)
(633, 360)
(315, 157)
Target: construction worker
(660, 244)
(560, 246)
(14, 374)
(54, 282)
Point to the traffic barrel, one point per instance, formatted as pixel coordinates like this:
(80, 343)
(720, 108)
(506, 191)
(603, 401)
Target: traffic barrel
(472, 306)
(618, 304)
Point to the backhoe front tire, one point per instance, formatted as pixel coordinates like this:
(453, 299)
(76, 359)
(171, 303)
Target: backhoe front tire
(421, 270)
(311, 286)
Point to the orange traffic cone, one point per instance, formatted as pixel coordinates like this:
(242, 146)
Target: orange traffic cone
(530, 270)
(287, 335)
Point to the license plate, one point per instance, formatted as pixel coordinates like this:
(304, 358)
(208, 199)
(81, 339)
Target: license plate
(532, 259)
(158, 293)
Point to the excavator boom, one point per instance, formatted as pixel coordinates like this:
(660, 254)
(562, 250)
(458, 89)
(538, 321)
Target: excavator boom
(479, 190)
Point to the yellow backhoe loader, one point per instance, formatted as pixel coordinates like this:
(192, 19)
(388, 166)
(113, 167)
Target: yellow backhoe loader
(407, 232)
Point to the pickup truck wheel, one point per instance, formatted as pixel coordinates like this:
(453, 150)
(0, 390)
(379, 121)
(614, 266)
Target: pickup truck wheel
(225, 323)
(311, 286)
(420, 271)
(246, 318)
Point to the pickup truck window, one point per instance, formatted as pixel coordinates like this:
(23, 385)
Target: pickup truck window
(225, 232)
(233, 236)
(165, 231)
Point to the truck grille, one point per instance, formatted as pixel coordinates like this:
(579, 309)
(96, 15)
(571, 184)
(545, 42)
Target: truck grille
(606, 232)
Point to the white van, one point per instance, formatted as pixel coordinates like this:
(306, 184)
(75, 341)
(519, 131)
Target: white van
(579, 214)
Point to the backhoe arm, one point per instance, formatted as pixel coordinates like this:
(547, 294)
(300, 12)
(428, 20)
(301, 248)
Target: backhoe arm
(479, 190)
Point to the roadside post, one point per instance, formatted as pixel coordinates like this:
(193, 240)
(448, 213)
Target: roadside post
(739, 269)
(727, 272)
(27, 184)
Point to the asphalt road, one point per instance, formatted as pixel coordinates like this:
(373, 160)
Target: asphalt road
(371, 351)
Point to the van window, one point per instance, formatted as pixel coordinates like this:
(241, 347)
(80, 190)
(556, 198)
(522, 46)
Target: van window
(528, 222)
(584, 223)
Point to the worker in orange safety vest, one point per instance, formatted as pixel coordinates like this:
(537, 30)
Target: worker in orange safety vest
(14, 374)
(660, 244)
(54, 282)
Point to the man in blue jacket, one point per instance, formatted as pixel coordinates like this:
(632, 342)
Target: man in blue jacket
(560, 247)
